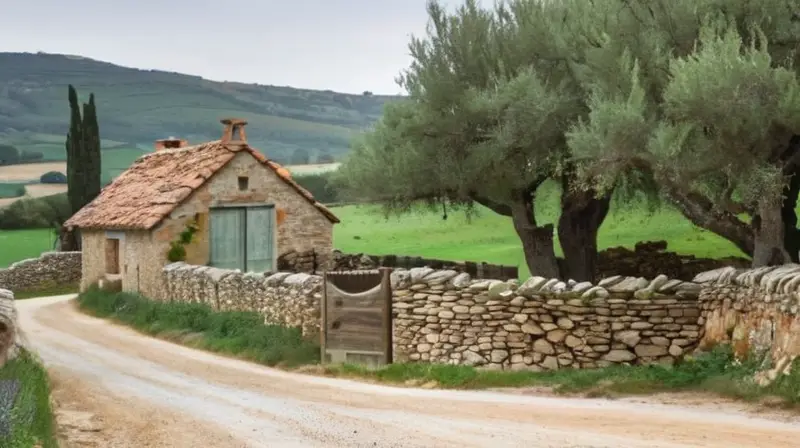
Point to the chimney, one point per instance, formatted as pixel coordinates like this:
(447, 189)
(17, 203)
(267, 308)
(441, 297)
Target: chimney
(233, 131)
(170, 143)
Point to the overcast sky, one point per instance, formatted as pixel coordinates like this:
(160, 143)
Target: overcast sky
(342, 45)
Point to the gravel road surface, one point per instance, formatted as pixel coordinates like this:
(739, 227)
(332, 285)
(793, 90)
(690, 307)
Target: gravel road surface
(117, 388)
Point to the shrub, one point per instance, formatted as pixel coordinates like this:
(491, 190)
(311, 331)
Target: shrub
(30, 156)
(320, 186)
(31, 416)
(35, 213)
(53, 177)
(9, 155)
(12, 190)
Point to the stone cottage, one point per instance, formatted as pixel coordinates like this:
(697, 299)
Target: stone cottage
(220, 204)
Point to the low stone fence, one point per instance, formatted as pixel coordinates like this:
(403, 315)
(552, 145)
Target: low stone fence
(755, 310)
(51, 268)
(350, 262)
(283, 298)
(446, 317)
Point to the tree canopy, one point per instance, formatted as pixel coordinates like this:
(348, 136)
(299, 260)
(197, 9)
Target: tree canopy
(693, 99)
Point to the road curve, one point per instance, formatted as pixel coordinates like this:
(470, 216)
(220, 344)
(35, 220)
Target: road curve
(150, 393)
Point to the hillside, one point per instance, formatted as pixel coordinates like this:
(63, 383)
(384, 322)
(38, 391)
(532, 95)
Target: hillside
(138, 106)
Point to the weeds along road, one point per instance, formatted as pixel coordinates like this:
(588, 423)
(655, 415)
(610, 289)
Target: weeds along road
(117, 388)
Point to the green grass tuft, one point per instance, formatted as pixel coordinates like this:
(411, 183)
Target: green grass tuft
(32, 421)
(715, 372)
(238, 333)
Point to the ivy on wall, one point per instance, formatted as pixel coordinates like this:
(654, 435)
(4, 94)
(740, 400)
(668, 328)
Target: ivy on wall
(177, 248)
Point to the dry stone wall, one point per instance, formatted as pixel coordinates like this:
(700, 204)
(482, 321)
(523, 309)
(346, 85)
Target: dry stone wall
(50, 269)
(283, 298)
(757, 311)
(446, 317)
(11, 337)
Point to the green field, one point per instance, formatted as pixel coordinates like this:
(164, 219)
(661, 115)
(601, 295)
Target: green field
(488, 237)
(18, 245)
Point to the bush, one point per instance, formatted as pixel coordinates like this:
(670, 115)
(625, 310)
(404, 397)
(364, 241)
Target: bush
(31, 419)
(320, 186)
(9, 155)
(35, 213)
(53, 177)
(12, 190)
(30, 156)
(233, 332)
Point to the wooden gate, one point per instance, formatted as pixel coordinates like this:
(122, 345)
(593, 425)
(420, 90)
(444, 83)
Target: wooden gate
(357, 317)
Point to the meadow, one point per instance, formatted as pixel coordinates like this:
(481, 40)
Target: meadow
(483, 237)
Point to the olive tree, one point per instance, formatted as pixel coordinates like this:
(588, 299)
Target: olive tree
(491, 95)
(702, 96)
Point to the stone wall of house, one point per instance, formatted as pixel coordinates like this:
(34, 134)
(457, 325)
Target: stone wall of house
(446, 317)
(757, 311)
(50, 269)
(283, 298)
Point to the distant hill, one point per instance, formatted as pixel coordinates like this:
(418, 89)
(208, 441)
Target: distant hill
(136, 107)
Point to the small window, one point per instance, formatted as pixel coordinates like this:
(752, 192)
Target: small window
(244, 183)
(112, 256)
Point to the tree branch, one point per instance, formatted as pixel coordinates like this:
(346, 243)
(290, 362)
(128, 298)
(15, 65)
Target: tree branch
(495, 206)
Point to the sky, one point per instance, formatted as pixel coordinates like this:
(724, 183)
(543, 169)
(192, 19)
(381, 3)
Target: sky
(342, 45)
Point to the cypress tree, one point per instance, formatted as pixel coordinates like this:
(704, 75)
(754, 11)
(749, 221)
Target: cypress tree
(91, 151)
(74, 146)
(83, 159)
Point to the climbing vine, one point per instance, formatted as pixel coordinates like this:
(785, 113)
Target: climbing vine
(177, 248)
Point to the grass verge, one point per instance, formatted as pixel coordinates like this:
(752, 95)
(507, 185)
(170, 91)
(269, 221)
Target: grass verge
(237, 333)
(32, 422)
(244, 335)
(46, 291)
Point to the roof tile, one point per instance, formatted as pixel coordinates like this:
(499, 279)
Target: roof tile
(156, 183)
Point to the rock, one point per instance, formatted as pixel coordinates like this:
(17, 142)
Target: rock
(675, 350)
(619, 356)
(610, 281)
(531, 286)
(543, 347)
(572, 341)
(532, 328)
(650, 351)
(438, 277)
(520, 318)
(629, 284)
(500, 290)
(471, 358)
(461, 281)
(582, 287)
(556, 336)
(595, 291)
(629, 337)
(661, 341)
(550, 363)
(565, 323)
(423, 348)
(498, 356)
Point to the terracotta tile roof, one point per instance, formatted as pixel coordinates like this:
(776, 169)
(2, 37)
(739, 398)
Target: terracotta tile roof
(157, 183)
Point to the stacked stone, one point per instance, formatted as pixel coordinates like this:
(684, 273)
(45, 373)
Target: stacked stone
(294, 261)
(51, 268)
(283, 299)
(446, 317)
(755, 310)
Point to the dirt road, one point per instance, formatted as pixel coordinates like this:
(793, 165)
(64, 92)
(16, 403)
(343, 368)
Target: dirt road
(142, 392)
